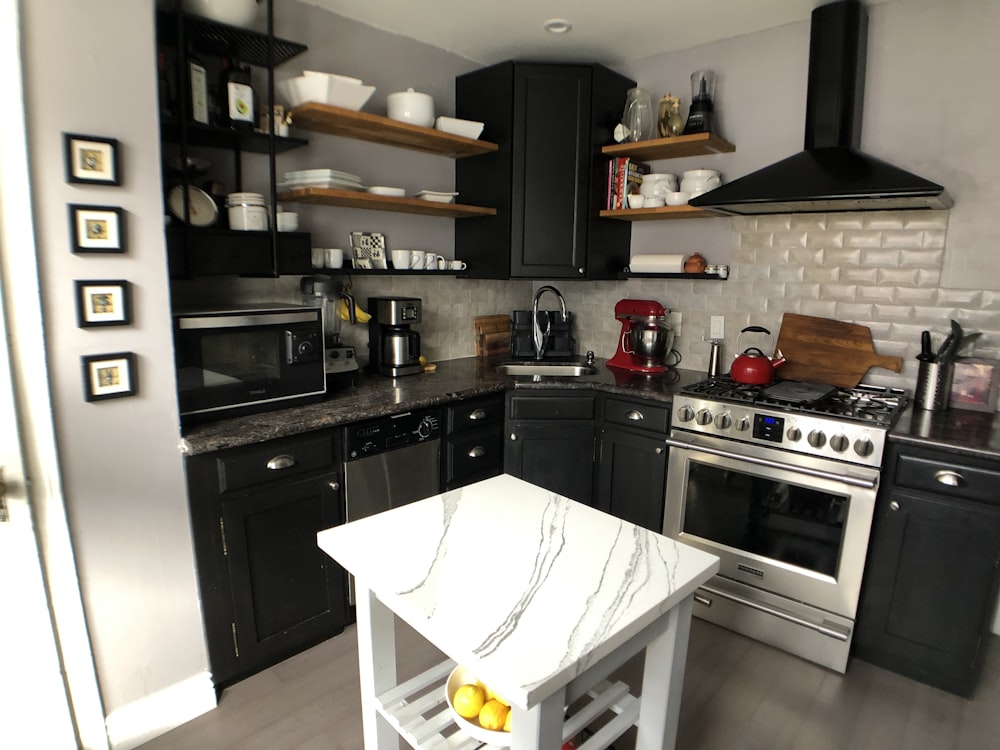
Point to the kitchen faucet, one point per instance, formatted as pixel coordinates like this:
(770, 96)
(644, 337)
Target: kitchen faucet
(541, 337)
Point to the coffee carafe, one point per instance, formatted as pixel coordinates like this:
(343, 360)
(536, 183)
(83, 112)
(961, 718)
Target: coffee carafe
(393, 347)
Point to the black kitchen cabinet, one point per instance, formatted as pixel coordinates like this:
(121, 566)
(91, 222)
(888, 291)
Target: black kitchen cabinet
(550, 441)
(548, 179)
(195, 250)
(931, 577)
(632, 461)
(267, 589)
(473, 442)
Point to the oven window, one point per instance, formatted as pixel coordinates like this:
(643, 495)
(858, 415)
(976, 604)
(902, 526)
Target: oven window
(231, 358)
(786, 522)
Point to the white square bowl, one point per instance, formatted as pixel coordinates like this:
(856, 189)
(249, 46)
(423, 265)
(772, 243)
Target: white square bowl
(333, 90)
(455, 126)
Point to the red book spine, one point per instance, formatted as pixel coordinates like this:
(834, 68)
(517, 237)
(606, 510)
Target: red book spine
(620, 180)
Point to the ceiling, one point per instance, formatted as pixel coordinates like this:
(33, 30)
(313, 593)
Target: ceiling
(602, 31)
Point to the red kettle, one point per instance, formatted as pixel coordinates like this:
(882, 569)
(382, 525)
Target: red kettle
(753, 367)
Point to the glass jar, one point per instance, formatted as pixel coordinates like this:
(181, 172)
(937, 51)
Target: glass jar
(247, 212)
(638, 115)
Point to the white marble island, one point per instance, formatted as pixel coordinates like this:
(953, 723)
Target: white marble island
(541, 597)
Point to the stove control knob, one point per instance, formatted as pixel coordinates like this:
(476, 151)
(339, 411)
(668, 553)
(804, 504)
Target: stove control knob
(840, 443)
(704, 416)
(724, 421)
(864, 447)
(794, 434)
(817, 439)
(685, 414)
(743, 424)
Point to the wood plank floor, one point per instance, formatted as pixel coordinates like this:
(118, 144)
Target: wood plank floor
(738, 695)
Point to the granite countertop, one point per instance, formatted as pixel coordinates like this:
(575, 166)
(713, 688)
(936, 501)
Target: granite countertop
(455, 379)
(968, 433)
(564, 584)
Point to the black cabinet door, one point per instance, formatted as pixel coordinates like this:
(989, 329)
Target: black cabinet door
(557, 455)
(929, 587)
(631, 477)
(287, 593)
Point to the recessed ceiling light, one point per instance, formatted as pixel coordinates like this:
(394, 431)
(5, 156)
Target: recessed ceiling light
(557, 26)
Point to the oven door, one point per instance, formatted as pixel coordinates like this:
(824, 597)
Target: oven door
(789, 524)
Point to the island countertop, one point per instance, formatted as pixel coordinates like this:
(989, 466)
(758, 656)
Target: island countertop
(522, 586)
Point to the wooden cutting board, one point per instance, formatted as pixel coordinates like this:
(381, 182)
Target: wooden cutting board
(492, 334)
(821, 350)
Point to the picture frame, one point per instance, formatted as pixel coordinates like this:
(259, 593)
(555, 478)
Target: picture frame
(103, 303)
(975, 384)
(107, 376)
(96, 229)
(92, 159)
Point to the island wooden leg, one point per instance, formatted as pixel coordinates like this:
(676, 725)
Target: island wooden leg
(663, 681)
(376, 666)
(541, 726)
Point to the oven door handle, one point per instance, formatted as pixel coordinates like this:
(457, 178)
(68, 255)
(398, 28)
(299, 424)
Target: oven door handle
(831, 631)
(868, 484)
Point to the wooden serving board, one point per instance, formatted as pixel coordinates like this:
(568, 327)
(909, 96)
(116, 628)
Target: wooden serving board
(821, 350)
(492, 334)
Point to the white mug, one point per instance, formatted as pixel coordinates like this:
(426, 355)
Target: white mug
(457, 265)
(318, 257)
(288, 221)
(334, 257)
(400, 259)
(417, 259)
(431, 261)
(442, 263)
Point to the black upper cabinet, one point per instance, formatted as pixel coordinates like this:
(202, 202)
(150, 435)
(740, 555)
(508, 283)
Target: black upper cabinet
(548, 178)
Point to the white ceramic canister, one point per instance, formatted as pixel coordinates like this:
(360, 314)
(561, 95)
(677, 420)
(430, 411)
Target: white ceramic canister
(247, 212)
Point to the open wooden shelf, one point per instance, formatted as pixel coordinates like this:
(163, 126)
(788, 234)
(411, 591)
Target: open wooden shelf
(324, 118)
(355, 199)
(661, 213)
(698, 144)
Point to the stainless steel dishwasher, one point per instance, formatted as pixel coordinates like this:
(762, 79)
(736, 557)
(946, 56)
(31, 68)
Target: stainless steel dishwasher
(391, 461)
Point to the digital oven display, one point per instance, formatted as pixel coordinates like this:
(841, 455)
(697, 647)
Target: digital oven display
(767, 427)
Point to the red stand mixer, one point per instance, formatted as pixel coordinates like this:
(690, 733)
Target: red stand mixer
(646, 338)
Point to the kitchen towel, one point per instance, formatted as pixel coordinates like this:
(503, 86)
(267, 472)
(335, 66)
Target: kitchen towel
(657, 263)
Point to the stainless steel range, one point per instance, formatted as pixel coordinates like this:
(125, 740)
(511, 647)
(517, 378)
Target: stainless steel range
(780, 482)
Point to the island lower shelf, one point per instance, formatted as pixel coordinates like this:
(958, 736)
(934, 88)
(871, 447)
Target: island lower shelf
(418, 710)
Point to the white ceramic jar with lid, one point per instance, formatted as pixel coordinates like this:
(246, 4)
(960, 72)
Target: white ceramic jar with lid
(411, 106)
(247, 212)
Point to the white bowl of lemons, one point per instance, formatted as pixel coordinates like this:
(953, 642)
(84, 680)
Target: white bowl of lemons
(476, 709)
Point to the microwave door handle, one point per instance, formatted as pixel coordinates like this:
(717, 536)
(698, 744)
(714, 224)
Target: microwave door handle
(867, 484)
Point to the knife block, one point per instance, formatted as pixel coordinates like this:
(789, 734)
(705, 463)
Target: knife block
(933, 386)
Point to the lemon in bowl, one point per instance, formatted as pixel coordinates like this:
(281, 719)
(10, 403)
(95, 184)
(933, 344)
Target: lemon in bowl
(491, 722)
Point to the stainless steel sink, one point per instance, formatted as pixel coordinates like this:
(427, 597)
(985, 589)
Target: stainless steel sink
(543, 368)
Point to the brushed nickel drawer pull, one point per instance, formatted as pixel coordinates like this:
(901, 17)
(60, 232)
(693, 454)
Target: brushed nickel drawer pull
(283, 461)
(893, 505)
(703, 600)
(950, 478)
(634, 415)
(477, 452)
(477, 415)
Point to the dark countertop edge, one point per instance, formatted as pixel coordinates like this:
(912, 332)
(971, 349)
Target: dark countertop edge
(957, 431)
(454, 380)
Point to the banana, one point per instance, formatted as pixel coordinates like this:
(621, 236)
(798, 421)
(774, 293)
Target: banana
(360, 315)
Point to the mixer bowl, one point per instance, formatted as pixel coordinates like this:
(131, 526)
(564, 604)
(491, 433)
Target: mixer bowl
(652, 342)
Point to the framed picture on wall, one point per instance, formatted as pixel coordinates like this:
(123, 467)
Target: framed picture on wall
(109, 376)
(91, 159)
(103, 303)
(97, 229)
(975, 384)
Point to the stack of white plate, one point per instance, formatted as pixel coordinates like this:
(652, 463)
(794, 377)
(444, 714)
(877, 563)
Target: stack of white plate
(321, 178)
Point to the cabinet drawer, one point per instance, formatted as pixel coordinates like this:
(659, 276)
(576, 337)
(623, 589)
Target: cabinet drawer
(474, 456)
(273, 461)
(474, 414)
(948, 478)
(641, 416)
(555, 406)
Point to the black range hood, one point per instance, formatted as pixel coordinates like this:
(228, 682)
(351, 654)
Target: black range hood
(831, 174)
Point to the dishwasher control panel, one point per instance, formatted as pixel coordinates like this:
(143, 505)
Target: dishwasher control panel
(391, 433)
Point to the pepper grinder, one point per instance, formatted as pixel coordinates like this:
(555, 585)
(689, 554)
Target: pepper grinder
(715, 358)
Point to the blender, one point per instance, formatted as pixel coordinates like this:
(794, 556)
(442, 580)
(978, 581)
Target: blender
(340, 360)
(701, 114)
(646, 336)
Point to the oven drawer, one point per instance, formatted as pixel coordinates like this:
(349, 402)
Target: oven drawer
(279, 459)
(637, 415)
(946, 478)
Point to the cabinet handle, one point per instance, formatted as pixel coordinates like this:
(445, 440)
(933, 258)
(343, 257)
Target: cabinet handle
(477, 452)
(950, 478)
(634, 415)
(283, 461)
(513, 436)
(334, 486)
(703, 600)
(893, 505)
(477, 415)
(581, 271)
(659, 451)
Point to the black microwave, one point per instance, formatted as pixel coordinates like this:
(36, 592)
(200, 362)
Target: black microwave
(246, 359)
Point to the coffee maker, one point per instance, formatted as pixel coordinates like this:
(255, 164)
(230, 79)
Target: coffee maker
(393, 347)
(646, 336)
(339, 358)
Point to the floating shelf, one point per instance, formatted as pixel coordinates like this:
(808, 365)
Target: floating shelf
(660, 214)
(629, 275)
(698, 144)
(250, 141)
(324, 118)
(355, 199)
(386, 271)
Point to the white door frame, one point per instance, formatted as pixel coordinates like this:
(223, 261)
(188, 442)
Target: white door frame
(34, 487)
